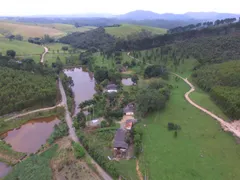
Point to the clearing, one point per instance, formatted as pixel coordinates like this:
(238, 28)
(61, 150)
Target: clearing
(201, 147)
(27, 30)
(127, 29)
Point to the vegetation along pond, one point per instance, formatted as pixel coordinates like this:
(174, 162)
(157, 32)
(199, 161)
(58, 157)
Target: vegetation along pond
(84, 85)
(30, 136)
(127, 82)
(4, 169)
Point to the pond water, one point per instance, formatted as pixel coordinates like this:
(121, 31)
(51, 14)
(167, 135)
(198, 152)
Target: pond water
(127, 82)
(30, 136)
(4, 169)
(84, 84)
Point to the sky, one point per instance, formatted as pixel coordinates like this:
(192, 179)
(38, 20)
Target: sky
(65, 7)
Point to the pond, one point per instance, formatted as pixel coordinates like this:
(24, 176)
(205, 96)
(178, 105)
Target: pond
(84, 85)
(127, 82)
(30, 136)
(4, 169)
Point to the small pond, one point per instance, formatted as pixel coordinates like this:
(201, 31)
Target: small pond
(4, 169)
(30, 136)
(84, 85)
(127, 82)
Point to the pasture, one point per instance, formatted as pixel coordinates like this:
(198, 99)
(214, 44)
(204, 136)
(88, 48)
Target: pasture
(201, 150)
(22, 48)
(127, 29)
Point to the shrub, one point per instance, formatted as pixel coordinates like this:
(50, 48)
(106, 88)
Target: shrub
(79, 151)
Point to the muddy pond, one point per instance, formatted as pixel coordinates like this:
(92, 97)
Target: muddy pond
(127, 82)
(4, 169)
(30, 136)
(84, 84)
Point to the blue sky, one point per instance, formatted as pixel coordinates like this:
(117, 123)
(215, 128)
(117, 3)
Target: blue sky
(39, 7)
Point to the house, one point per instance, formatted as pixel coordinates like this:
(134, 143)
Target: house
(120, 146)
(111, 88)
(129, 124)
(129, 110)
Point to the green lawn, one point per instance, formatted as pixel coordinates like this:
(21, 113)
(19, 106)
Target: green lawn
(126, 29)
(21, 47)
(201, 150)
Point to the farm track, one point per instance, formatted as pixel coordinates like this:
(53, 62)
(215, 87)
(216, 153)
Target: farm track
(44, 53)
(225, 125)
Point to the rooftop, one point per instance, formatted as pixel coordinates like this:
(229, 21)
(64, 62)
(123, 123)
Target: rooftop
(111, 87)
(119, 139)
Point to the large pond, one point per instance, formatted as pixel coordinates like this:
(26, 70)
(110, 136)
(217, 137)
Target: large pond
(127, 82)
(30, 136)
(84, 84)
(4, 169)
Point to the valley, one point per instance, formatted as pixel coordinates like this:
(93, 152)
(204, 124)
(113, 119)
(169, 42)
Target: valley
(119, 101)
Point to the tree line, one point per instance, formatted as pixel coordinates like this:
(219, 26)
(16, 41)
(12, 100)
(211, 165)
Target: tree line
(222, 81)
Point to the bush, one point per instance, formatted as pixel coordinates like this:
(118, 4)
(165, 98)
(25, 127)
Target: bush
(79, 151)
(172, 126)
(60, 130)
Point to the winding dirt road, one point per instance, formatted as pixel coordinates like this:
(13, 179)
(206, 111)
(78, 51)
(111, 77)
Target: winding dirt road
(225, 125)
(43, 54)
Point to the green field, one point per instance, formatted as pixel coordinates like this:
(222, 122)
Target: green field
(21, 47)
(201, 150)
(126, 29)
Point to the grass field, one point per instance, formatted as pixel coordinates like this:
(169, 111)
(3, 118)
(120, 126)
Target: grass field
(201, 150)
(21, 47)
(27, 30)
(67, 28)
(126, 29)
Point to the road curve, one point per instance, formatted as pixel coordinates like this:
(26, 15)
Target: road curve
(72, 132)
(225, 125)
(43, 54)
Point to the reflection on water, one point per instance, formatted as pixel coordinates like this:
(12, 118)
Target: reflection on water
(127, 82)
(30, 136)
(4, 169)
(84, 84)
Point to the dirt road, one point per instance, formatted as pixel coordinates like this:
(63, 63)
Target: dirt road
(73, 135)
(44, 53)
(34, 111)
(225, 125)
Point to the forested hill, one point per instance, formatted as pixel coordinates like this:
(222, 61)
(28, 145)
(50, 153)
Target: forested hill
(160, 40)
(96, 38)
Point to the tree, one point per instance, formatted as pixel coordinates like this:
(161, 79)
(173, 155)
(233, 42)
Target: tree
(135, 78)
(81, 118)
(101, 74)
(79, 151)
(19, 37)
(11, 53)
(65, 48)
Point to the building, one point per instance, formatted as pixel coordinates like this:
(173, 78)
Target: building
(112, 88)
(129, 110)
(120, 146)
(129, 124)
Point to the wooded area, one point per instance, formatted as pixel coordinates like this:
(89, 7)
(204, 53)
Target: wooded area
(21, 89)
(223, 82)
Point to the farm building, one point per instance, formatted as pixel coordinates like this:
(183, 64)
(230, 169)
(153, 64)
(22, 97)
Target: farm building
(120, 146)
(111, 88)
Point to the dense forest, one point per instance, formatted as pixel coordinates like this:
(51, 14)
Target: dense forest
(96, 38)
(21, 89)
(223, 82)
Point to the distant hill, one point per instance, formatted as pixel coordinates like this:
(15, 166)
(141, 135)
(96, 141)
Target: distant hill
(210, 15)
(149, 15)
